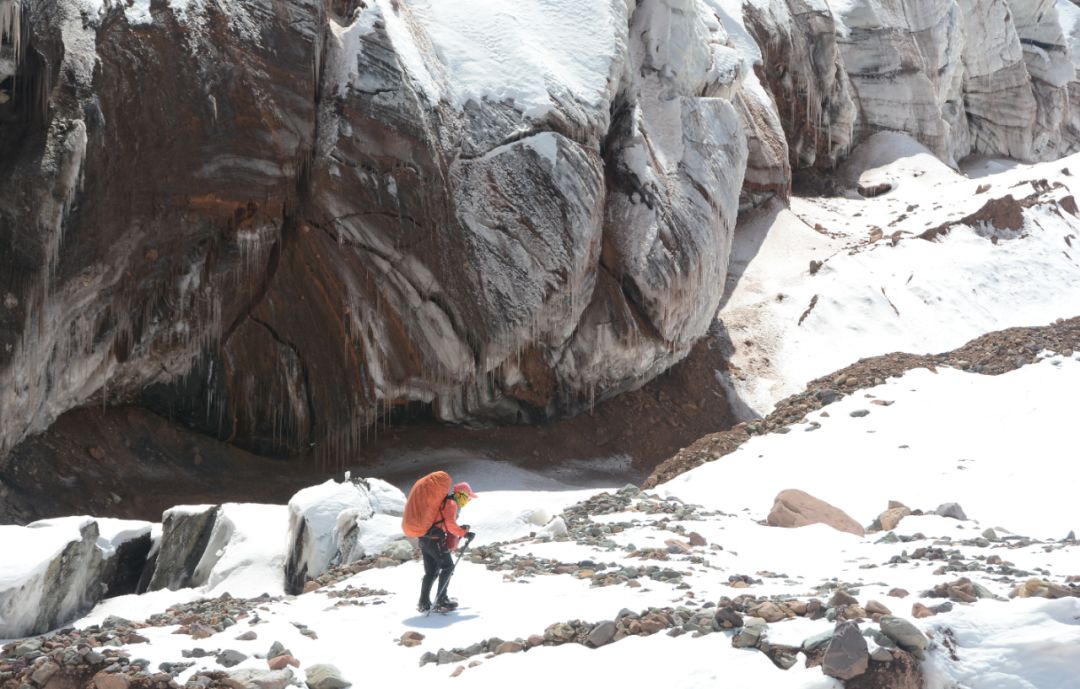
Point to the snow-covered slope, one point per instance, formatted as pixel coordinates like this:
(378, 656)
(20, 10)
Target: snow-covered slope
(630, 595)
(829, 280)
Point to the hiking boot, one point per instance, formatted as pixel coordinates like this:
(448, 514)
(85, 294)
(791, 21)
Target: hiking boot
(446, 603)
(424, 606)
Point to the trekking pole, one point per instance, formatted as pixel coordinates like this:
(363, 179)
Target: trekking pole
(442, 589)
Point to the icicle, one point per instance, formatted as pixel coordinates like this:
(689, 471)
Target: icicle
(10, 23)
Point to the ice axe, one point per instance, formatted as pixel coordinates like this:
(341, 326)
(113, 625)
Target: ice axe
(453, 567)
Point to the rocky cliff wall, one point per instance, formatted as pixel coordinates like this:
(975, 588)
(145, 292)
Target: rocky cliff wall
(279, 221)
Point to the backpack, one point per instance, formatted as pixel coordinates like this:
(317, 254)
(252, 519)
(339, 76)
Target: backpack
(423, 507)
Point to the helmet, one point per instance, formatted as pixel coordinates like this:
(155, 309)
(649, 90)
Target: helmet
(464, 489)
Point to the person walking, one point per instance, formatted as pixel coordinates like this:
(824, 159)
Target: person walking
(434, 505)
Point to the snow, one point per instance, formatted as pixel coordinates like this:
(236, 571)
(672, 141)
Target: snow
(36, 547)
(313, 516)
(873, 298)
(943, 458)
(961, 435)
(534, 55)
(112, 533)
(246, 552)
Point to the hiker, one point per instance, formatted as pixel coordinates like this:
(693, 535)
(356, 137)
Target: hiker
(431, 516)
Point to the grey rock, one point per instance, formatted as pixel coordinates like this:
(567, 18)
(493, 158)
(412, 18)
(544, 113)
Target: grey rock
(325, 676)
(951, 510)
(601, 634)
(249, 678)
(446, 657)
(847, 655)
(817, 641)
(230, 658)
(906, 635)
(751, 633)
(881, 655)
(184, 539)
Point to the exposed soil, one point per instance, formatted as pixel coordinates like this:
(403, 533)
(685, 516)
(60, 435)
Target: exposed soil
(991, 354)
(129, 462)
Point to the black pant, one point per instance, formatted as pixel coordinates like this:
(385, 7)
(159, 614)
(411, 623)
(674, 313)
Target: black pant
(437, 563)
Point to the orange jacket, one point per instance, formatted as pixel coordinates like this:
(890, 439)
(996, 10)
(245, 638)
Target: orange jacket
(449, 523)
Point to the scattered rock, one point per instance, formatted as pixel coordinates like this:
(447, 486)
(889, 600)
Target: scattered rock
(509, 647)
(951, 510)
(794, 508)
(411, 638)
(248, 678)
(905, 634)
(282, 661)
(847, 655)
(230, 658)
(602, 634)
(325, 676)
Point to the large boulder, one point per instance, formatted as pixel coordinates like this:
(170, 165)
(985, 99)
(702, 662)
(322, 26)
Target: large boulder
(335, 523)
(794, 508)
(186, 532)
(54, 570)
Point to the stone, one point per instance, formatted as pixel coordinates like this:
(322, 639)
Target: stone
(920, 611)
(411, 638)
(509, 647)
(43, 672)
(876, 608)
(106, 680)
(697, 540)
(249, 635)
(847, 655)
(229, 658)
(951, 510)
(445, 657)
(890, 518)
(899, 593)
(750, 634)
(282, 661)
(770, 612)
(601, 634)
(249, 678)
(277, 649)
(325, 676)
(399, 551)
(842, 597)
(906, 635)
(728, 618)
(793, 508)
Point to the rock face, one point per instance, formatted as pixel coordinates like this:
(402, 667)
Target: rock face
(794, 508)
(298, 218)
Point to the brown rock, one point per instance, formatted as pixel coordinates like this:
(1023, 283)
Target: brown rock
(904, 672)
(697, 539)
(282, 661)
(457, 671)
(920, 611)
(890, 518)
(249, 635)
(96, 452)
(106, 680)
(842, 597)
(793, 508)
(874, 607)
(796, 606)
(509, 647)
(411, 638)
(311, 586)
(899, 593)
(534, 640)
(770, 612)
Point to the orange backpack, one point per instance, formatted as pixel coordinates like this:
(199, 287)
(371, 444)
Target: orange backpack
(424, 503)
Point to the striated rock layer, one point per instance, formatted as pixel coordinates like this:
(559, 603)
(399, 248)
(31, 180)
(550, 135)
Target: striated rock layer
(279, 222)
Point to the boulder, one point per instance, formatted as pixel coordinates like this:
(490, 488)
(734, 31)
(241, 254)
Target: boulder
(906, 635)
(951, 510)
(185, 535)
(325, 677)
(601, 634)
(847, 655)
(336, 523)
(56, 577)
(248, 678)
(793, 508)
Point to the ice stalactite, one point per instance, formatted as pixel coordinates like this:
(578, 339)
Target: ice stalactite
(10, 25)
